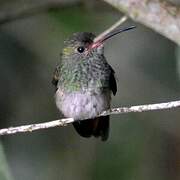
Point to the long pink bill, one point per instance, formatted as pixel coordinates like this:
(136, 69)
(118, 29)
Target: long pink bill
(109, 35)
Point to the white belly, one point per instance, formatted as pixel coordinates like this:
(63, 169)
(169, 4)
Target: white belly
(82, 105)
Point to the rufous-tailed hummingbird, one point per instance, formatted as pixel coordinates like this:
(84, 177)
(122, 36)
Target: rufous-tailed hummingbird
(84, 83)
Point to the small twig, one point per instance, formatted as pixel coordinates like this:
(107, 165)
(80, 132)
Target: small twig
(114, 26)
(65, 121)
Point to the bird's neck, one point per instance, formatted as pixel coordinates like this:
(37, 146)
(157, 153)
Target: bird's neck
(84, 74)
(74, 76)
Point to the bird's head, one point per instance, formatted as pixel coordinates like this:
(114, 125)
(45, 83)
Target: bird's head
(83, 45)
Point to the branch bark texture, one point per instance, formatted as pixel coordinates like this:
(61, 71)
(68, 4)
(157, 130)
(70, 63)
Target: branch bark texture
(66, 121)
(158, 15)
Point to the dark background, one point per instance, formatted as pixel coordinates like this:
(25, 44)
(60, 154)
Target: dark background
(141, 146)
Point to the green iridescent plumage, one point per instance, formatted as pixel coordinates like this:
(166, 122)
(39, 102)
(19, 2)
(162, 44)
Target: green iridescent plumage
(82, 71)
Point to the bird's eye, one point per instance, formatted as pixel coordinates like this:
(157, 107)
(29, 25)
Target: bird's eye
(81, 49)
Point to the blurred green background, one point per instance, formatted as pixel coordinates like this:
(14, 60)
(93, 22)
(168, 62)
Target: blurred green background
(141, 146)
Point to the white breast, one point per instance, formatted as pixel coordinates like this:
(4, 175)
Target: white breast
(79, 105)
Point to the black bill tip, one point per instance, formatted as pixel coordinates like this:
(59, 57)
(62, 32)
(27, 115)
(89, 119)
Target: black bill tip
(115, 32)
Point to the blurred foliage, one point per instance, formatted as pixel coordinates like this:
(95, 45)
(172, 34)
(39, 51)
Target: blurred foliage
(4, 169)
(79, 19)
(73, 19)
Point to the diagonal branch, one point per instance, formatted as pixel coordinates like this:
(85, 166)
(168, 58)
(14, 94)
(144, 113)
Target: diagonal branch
(66, 121)
(159, 15)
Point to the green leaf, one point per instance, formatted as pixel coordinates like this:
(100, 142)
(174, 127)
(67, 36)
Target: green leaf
(4, 169)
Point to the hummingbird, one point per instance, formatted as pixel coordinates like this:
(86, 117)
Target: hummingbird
(84, 82)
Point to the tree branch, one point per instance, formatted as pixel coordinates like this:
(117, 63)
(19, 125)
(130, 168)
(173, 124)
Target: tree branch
(66, 121)
(159, 15)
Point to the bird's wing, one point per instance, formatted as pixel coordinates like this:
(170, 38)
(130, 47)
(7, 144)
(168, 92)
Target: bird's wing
(55, 78)
(113, 84)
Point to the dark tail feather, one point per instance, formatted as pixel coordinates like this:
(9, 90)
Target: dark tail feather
(102, 128)
(98, 127)
(84, 128)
